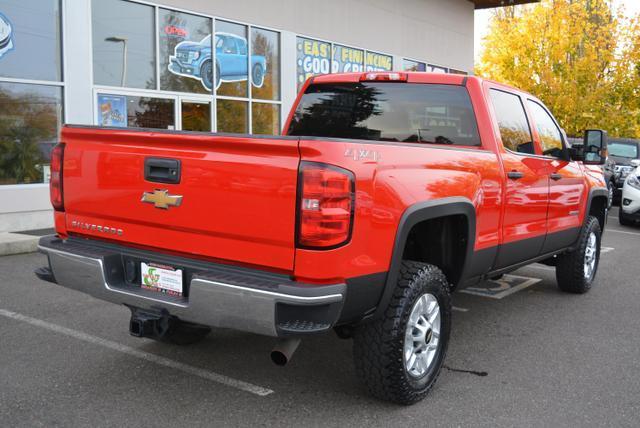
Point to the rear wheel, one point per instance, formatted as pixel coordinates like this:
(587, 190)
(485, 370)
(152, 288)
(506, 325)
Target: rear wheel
(399, 356)
(576, 270)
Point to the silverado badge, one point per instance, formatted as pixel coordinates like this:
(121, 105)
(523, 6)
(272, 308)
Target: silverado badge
(162, 199)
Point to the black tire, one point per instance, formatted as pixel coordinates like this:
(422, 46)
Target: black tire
(570, 267)
(257, 76)
(206, 75)
(378, 346)
(184, 333)
(624, 220)
(218, 77)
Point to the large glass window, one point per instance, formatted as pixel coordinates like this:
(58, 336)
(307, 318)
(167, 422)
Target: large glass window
(123, 44)
(135, 111)
(233, 116)
(548, 131)
(265, 118)
(409, 65)
(378, 62)
(186, 63)
(265, 64)
(347, 60)
(30, 39)
(196, 116)
(313, 57)
(414, 113)
(29, 127)
(512, 122)
(232, 59)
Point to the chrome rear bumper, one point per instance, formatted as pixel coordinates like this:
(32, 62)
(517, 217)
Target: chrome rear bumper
(217, 295)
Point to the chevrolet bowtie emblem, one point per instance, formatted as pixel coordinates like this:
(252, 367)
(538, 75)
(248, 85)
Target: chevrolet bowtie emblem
(162, 199)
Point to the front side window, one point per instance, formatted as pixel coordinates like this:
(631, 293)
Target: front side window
(512, 122)
(30, 39)
(548, 131)
(402, 112)
(123, 44)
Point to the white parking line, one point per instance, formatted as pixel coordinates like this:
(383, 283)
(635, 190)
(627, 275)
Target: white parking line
(114, 346)
(621, 231)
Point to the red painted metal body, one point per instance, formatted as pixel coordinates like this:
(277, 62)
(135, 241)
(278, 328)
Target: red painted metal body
(239, 192)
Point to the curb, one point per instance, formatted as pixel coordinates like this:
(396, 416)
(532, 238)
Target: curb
(17, 243)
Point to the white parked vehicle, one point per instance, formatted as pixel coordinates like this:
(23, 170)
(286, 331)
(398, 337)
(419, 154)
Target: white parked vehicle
(630, 201)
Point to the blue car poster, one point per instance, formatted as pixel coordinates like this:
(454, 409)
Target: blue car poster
(6, 36)
(112, 110)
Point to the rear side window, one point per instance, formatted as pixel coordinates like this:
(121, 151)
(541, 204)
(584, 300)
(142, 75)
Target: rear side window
(512, 122)
(385, 111)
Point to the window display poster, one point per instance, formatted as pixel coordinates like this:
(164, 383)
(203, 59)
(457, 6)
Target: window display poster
(313, 57)
(347, 60)
(436, 69)
(378, 62)
(112, 110)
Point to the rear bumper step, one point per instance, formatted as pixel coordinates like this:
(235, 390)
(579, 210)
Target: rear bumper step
(215, 295)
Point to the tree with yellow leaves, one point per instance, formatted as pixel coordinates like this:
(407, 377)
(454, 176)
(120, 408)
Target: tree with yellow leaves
(578, 56)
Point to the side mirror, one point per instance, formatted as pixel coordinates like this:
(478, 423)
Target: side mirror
(595, 147)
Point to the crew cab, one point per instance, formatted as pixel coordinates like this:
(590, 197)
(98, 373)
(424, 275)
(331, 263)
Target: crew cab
(385, 193)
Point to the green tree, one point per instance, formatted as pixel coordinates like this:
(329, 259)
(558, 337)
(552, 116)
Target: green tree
(579, 57)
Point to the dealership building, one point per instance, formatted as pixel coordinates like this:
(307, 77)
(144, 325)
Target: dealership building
(222, 66)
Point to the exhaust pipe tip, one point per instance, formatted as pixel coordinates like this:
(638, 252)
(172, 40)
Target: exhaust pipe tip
(278, 358)
(283, 351)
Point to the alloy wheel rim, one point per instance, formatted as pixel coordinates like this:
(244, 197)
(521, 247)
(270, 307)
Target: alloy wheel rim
(590, 256)
(422, 336)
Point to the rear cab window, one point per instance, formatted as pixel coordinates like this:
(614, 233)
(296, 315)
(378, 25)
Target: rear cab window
(387, 111)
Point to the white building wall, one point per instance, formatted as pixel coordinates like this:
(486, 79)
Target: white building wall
(435, 31)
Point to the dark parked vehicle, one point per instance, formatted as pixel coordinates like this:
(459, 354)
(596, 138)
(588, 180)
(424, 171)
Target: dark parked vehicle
(626, 154)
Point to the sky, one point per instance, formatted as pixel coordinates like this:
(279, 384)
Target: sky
(482, 20)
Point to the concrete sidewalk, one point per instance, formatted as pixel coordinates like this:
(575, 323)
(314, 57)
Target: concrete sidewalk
(21, 242)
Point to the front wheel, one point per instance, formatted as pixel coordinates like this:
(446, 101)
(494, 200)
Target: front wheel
(399, 356)
(206, 74)
(257, 76)
(576, 270)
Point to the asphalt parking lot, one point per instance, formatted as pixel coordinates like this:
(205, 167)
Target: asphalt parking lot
(533, 356)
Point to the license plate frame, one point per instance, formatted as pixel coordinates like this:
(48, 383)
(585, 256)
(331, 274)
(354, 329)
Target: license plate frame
(162, 279)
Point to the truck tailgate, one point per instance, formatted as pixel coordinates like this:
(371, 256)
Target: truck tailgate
(237, 193)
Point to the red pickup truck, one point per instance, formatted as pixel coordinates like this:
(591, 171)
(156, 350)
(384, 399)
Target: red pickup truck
(386, 192)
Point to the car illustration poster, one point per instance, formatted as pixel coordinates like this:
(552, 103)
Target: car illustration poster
(112, 110)
(193, 59)
(6, 36)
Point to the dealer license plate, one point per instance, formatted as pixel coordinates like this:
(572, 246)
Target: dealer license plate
(161, 278)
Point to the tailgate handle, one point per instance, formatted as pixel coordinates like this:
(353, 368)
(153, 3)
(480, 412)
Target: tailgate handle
(162, 170)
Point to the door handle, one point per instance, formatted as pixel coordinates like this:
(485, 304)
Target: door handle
(162, 170)
(515, 175)
(555, 176)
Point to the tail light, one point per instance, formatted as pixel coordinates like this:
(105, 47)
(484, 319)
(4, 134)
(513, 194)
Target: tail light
(326, 205)
(55, 185)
